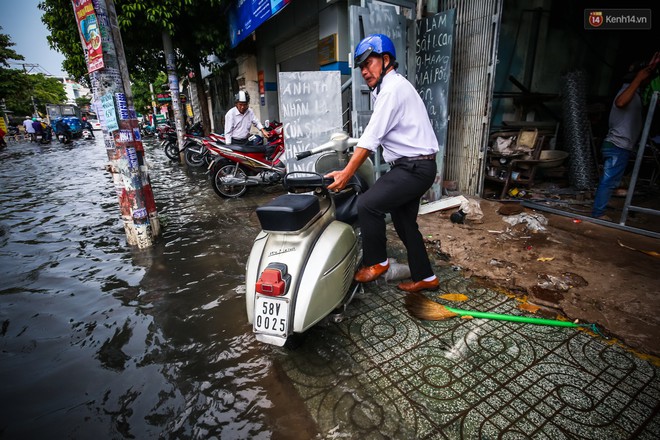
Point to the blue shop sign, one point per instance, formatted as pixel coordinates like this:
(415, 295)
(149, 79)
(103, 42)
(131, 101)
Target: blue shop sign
(245, 16)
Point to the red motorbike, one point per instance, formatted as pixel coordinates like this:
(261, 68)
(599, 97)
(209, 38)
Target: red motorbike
(237, 167)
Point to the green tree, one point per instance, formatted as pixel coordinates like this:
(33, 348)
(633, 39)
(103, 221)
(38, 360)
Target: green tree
(142, 92)
(198, 28)
(18, 88)
(12, 82)
(83, 101)
(6, 52)
(45, 90)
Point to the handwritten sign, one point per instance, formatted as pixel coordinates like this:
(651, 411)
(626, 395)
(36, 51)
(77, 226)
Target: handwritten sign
(432, 79)
(310, 108)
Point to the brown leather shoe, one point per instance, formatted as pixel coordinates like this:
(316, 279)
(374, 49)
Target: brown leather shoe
(416, 286)
(370, 273)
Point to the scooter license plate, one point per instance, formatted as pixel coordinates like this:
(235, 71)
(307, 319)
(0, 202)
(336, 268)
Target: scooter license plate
(271, 316)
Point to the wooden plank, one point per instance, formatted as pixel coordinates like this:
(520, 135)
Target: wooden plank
(439, 205)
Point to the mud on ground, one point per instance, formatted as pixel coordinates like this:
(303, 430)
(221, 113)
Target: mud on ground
(577, 269)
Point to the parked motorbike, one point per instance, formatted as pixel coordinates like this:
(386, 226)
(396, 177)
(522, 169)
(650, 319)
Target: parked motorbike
(237, 167)
(87, 134)
(170, 142)
(301, 266)
(147, 130)
(171, 145)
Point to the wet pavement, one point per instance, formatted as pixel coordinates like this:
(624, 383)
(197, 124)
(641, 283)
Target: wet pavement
(101, 341)
(388, 375)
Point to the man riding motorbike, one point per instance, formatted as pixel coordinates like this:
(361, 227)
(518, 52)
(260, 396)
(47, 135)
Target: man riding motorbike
(88, 126)
(61, 128)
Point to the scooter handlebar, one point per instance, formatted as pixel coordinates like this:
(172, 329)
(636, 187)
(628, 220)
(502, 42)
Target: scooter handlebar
(303, 154)
(340, 142)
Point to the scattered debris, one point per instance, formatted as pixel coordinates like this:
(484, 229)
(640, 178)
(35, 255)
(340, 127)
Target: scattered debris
(563, 282)
(650, 253)
(531, 308)
(454, 297)
(472, 210)
(510, 209)
(544, 259)
(397, 271)
(535, 222)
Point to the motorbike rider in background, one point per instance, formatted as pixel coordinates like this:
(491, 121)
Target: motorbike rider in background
(400, 123)
(239, 119)
(86, 125)
(62, 128)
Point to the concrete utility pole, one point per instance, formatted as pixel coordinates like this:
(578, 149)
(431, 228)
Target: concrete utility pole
(173, 80)
(101, 40)
(34, 105)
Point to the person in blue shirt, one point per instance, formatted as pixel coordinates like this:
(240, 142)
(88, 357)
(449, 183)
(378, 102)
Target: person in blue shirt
(401, 125)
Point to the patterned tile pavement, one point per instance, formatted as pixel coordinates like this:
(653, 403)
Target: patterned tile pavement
(381, 374)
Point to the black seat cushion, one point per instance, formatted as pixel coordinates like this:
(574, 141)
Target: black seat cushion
(288, 212)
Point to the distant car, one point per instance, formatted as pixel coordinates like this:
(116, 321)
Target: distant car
(74, 123)
(96, 125)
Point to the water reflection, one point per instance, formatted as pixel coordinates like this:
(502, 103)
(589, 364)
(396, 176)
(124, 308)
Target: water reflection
(102, 340)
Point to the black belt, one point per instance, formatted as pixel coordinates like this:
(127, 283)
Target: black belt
(410, 159)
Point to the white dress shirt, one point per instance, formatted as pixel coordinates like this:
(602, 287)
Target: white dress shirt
(399, 122)
(237, 125)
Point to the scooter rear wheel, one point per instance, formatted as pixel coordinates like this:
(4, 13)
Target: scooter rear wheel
(225, 190)
(172, 151)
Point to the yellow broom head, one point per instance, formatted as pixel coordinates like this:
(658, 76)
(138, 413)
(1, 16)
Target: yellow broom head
(421, 307)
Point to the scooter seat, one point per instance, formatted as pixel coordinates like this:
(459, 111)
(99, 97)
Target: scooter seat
(248, 148)
(288, 212)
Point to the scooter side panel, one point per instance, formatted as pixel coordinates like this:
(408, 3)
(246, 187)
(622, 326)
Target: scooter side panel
(327, 276)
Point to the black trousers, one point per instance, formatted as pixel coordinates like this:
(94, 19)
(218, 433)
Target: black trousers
(398, 192)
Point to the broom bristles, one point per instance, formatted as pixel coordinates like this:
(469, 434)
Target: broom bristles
(422, 307)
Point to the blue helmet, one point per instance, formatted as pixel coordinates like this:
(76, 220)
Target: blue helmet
(373, 44)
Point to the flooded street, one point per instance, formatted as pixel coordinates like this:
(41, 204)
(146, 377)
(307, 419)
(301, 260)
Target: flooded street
(101, 340)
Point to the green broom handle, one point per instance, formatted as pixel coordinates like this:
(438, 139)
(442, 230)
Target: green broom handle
(501, 317)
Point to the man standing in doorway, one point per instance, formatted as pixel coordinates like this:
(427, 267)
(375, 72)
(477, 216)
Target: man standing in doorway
(399, 123)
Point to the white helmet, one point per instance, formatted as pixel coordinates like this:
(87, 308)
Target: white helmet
(242, 96)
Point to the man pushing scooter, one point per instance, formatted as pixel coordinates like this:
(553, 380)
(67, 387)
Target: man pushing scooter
(401, 125)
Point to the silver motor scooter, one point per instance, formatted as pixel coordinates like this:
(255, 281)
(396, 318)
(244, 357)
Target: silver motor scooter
(301, 266)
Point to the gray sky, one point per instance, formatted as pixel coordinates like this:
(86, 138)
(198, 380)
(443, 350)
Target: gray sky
(21, 20)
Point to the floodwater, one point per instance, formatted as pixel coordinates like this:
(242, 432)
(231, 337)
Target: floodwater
(100, 340)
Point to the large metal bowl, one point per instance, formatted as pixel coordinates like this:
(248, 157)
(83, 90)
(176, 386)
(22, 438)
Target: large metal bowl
(552, 158)
(549, 158)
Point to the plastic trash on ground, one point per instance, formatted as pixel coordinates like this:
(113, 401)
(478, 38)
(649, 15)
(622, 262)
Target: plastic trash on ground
(534, 221)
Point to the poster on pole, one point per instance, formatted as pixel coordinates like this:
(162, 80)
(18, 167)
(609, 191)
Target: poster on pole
(90, 33)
